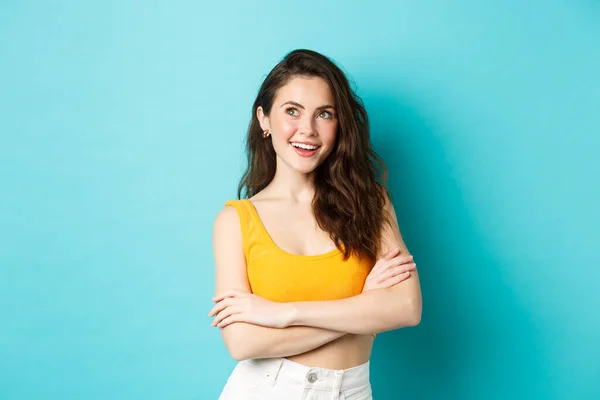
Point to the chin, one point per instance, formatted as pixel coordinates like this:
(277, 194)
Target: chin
(304, 169)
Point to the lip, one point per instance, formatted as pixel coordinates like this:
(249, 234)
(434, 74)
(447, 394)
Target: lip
(308, 143)
(303, 152)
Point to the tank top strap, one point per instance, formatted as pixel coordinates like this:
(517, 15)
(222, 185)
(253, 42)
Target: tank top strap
(242, 211)
(250, 227)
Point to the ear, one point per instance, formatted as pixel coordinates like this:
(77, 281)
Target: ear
(263, 119)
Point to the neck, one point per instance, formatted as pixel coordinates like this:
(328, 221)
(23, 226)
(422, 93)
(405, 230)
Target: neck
(293, 185)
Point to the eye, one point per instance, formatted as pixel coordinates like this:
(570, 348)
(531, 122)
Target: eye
(291, 111)
(326, 115)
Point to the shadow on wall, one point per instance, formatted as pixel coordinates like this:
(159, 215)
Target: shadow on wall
(475, 341)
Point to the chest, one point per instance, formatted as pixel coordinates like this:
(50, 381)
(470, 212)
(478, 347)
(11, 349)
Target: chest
(295, 231)
(284, 279)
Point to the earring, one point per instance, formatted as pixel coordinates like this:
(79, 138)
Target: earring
(266, 134)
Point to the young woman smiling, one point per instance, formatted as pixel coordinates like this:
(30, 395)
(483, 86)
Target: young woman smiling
(310, 262)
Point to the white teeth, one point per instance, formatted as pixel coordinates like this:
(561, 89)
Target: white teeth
(305, 146)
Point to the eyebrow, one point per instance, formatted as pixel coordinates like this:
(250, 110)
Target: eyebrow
(302, 107)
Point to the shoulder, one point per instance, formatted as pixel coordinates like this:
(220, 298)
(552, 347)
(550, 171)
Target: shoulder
(228, 233)
(228, 251)
(226, 215)
(227, 218)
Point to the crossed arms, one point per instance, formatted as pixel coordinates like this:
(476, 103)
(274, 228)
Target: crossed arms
(253, 327)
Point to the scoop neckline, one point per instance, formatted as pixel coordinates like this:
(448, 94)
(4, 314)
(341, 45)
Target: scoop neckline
(328, 254)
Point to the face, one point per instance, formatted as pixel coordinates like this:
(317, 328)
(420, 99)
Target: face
(303, 123)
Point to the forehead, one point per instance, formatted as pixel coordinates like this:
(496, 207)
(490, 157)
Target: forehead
(308, 91)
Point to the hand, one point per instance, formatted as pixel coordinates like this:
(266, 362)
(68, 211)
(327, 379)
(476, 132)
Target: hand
(237, 306)
(389, 271)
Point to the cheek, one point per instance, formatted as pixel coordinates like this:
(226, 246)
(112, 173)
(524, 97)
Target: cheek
(286, 128)
(289, 128)
(328, 133)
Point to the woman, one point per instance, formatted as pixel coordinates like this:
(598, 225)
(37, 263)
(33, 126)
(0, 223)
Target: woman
(310, 265)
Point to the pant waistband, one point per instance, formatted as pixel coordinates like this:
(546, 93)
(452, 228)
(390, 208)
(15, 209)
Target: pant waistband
(319, 378)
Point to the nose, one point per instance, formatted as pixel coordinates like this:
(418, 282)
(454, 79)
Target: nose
(306, 128)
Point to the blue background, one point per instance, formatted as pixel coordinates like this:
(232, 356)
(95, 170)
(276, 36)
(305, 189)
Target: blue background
(121, 137)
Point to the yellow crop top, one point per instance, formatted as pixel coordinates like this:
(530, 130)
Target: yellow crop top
(284, 277)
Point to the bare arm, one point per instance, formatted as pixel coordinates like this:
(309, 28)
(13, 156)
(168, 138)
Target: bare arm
(244, 340)
(372, 311)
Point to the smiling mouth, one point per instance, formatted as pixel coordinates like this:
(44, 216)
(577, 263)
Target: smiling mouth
(304, 146)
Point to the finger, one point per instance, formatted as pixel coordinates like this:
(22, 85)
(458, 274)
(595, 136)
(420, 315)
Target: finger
(384, 265)
(220, 306)
(396, 270)
(404, 268)
(392, 253)
(394, 280)
(388, 256)
(229, 293)
(229, 320)
(224, 314)
(399, 260)
(402, 258)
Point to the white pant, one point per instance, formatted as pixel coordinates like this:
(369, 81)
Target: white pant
(281, 379)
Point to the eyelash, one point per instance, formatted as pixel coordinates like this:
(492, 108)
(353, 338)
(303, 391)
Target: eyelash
(287, 110)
